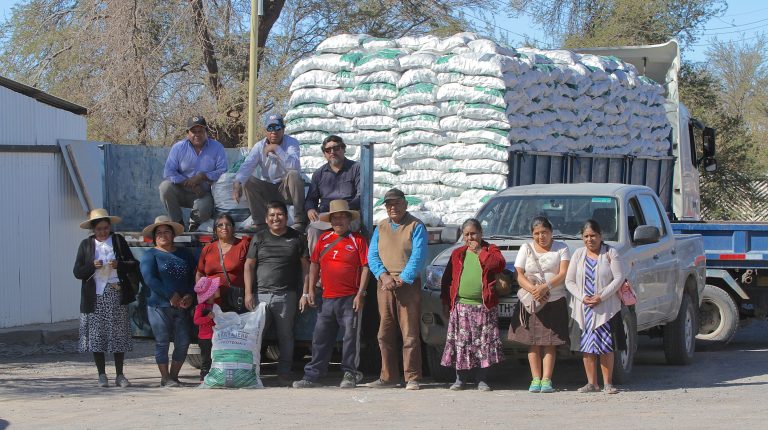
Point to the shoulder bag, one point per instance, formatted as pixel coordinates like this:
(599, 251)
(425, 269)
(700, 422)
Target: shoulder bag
(626, 292)
(526, 299)
(234, 300)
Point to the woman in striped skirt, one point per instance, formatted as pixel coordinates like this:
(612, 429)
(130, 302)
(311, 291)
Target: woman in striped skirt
(594, 277)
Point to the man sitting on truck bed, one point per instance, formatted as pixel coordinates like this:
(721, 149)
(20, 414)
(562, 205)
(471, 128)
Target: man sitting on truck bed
(277, 155)
(192, 166)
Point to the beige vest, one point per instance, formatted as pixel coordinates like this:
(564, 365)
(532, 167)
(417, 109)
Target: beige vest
(395, 245)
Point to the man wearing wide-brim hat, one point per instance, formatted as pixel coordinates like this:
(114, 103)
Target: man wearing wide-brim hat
(191, 167)
(396, 256)
(340, 260)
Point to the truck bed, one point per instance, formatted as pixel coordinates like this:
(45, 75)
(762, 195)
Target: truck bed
(731, 244)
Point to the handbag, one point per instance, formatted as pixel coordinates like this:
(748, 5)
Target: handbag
(234, 299)
(526, 298)
(627, 294)
(503, 285)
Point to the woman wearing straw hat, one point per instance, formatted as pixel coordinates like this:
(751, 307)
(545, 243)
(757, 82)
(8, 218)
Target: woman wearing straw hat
(169, 272)
(102, 263)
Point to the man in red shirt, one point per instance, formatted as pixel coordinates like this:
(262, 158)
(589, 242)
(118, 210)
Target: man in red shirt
(340, 260)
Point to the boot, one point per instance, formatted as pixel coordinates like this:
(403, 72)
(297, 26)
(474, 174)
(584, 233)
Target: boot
(175, 368)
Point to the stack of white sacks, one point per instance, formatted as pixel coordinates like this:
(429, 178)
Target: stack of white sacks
(444, 113)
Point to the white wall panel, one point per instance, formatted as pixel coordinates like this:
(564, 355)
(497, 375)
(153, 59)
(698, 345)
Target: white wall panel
(17, 118)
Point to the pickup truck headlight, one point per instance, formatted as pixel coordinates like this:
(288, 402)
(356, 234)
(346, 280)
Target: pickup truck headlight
(433, 277)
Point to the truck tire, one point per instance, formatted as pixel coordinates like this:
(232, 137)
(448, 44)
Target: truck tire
(623, 361)
(438, 372)
(718, 316)
(680, 334)
(194, 358)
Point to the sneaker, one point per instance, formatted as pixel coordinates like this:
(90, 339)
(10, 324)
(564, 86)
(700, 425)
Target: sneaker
(546, 386)
(349, 380)
(456, 386)
(535, 386)
(482, 386)
(381, 384)
(170, 383)
(103, 381)
(122, 382)
(193, 227)
(413, 385)
(304, 383)
(589, 388)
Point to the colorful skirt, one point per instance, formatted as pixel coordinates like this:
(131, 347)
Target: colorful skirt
(108, 328)
(473, 338)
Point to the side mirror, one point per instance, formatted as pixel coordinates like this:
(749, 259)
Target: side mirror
(708, 142)
(646, 234)
(450, 234)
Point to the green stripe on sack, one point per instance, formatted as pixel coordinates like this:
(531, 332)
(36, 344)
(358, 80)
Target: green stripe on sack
(232, 355)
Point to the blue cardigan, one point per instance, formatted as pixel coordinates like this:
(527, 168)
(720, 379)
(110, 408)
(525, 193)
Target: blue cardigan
(166, 273)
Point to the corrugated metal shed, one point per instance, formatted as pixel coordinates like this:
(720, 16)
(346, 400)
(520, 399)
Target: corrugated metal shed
(42, 208)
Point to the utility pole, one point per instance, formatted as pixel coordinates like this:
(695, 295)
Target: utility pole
(257, 9)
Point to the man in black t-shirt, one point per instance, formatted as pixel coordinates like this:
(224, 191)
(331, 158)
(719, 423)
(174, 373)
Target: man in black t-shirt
(276, 268)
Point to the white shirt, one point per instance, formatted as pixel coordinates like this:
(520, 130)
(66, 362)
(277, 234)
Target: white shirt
(550, 265)
(106, 275)
(273, 167)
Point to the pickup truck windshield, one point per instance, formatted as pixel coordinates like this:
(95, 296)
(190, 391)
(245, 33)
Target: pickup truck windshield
(512, 215)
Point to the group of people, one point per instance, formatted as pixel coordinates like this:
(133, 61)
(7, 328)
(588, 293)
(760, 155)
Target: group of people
(283, 268)
(541, 320)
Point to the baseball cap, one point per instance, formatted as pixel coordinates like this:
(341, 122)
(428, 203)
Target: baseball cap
(273, 119)
(196, 120)
(394, 194)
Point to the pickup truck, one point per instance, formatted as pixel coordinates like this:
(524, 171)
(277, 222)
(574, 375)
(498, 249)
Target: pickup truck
(667, 270)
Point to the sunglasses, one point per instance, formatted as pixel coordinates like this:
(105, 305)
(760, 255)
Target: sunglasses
(223, 225)
(330, 149)
(274, 127)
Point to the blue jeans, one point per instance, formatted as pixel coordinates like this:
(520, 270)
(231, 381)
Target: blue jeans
(332, 315)
(170, 322)
(281, 311)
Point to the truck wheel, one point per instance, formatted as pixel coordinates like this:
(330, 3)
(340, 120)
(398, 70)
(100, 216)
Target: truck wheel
(719, 316)
(194, 358)
(623, 361)
(438, 372)
(680, 334)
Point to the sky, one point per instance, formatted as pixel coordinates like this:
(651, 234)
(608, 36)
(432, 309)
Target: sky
(743, 20)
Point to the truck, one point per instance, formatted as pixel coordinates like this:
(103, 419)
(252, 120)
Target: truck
(668, 271)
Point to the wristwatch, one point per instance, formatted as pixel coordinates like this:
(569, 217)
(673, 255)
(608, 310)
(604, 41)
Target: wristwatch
(305, 295)
(362, 291)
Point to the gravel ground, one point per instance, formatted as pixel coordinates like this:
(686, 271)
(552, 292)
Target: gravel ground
(54, 387)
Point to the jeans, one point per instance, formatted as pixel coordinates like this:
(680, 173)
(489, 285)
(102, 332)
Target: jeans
(281, 311)
(170, 322)
(333, 314)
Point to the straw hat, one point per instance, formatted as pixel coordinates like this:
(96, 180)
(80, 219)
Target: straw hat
(99, 213)
(339, 206)
(162, 220)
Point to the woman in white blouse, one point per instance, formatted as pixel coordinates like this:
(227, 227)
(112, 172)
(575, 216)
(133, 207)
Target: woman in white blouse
(103, 262)
(541, 266)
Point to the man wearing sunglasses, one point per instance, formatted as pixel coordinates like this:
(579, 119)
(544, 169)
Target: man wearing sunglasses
(339, 179)
(278, 177)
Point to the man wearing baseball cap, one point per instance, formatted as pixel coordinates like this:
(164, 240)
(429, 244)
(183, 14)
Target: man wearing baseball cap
(191, 167)
(279, 178)
(396, 257)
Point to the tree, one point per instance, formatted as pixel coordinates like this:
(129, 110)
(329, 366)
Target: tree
(142, 67)
(702, 92)
(585, 23)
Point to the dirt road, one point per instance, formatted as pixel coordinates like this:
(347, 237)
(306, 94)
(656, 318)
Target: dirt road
(722, 388)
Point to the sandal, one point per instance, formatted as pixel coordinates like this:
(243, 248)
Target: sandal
(610, 389)
(589, 388)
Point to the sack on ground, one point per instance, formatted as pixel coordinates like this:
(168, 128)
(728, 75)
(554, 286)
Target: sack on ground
(236, 354)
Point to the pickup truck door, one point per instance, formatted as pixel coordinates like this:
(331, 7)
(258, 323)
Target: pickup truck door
(654, 265)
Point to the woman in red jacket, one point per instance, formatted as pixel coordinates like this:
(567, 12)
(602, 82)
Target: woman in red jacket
(469, 302)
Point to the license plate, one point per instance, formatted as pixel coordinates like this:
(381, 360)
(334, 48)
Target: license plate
(506, 309)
